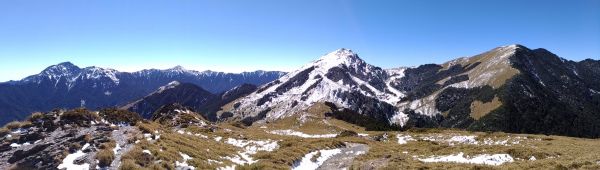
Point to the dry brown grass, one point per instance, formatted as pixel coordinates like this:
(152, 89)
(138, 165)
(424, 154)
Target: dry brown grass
(13, 125)
(105, 157)
(552, 152)
(480, 109)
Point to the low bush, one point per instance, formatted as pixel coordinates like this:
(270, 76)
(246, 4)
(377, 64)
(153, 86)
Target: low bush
(81, 117)
(118, 116)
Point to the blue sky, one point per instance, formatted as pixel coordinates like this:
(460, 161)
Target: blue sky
(234, 36)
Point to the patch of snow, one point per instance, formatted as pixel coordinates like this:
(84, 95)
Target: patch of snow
(594, 91)
(403, 139)
(201, 135)
(307, 163)
(290, 132)
(399, 119)
(15, 145)
(463, 140)
(171, 85)
(232, 167)
(250, 147)
(210, 161)
(147, 152)
(183, 164)
(218, 138)
(68, 162)
(486, 159)
(117, 149)
(532, 158)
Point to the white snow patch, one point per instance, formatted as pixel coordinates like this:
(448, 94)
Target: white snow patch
(250, 147)
(306, 162)
(68, 162)
(403, 139)
(462, 140)
(183, 164)
(232, 167)
(147, 152)
(218, 138)
(290, 132)
(117, 149)
(486, 159)
(399, 119)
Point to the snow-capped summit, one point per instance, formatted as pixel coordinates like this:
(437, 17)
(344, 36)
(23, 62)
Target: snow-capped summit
(339, 77)
(56, 72)
(337, 57)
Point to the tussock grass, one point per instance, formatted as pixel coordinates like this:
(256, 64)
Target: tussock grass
(105, 157)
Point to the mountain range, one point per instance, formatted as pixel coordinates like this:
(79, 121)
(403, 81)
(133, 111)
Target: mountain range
(507, 108)
(510, 88)
(66, 85)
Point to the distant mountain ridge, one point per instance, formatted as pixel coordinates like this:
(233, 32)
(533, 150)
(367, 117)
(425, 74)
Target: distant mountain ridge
(66, 85)
(188, 95)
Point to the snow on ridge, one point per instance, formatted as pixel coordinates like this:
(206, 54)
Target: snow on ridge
(170, 85)
(485, 159)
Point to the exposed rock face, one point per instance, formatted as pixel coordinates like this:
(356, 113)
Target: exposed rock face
(51, 136)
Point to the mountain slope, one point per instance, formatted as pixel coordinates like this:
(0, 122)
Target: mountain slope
(509, 88)
(67, 86)
(183, 93)
(340, 77)
(187, 95)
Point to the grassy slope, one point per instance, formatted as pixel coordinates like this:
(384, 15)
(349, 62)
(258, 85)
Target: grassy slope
(551, 152)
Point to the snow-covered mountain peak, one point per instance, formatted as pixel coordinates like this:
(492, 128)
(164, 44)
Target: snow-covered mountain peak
(339, 77)
(338, 57)
(65, 68)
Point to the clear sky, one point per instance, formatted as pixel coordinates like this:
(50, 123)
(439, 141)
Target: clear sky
(234, 36)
